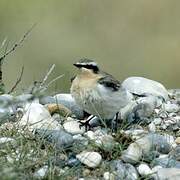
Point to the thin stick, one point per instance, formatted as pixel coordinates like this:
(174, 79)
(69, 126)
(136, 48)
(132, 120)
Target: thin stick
(17, 44)
(18, 81)
(54, 80)
(47, 75)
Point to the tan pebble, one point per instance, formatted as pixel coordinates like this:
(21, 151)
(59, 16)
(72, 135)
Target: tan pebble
(59, 108)
(177, 141)
(86, 172)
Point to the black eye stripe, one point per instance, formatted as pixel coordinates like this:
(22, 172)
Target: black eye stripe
(88, 66)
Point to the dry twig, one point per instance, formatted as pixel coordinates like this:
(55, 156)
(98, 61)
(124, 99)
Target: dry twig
(18, 81)
(16, 45)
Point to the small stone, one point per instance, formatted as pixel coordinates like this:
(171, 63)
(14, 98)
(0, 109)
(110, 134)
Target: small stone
(175, 153)
(144, 146)
(73, 161)
(139, 110)
(167, 174)
(136, 133)
(106, 142)
(177, 141)
(86, 172)
(36, 116)
(166, 162)
(161, 143)
(6, 141)
(57, 117)
(157, 121)
(7, 114)
(144, 170)
(152, 127)
(73, 127)
(41, 173)
(78, 138)
(90, 159)
(171, 108)
(123, 170)
(59, 138)
(133, 154)
(58, 108)
(90, 135)
(156, 168)
(109, 176)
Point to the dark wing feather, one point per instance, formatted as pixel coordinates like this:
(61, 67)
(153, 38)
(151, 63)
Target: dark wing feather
(72, 79)
(110, 82)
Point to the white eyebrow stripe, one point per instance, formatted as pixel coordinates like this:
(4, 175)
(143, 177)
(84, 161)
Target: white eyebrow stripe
(89, 63)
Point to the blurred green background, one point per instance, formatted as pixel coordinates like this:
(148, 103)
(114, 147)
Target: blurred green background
(126, 38)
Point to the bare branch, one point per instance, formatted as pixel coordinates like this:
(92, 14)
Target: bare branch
(44, 86)
(18, 81)
(17, 44)
(59, 77)
(47, 74)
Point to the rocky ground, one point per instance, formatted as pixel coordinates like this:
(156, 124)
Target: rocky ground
(41, 137)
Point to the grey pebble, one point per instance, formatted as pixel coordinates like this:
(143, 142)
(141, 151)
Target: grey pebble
(175, 153)
(166, 162)
(123, 170)
(143, 147)
(167, 174)
(59, 138)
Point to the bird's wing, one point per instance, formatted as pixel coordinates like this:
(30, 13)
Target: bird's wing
(72, 79)
(110, 82)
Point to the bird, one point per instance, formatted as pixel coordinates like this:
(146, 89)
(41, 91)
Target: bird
(97, 92)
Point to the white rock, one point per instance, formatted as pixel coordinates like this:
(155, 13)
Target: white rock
(171, 107)
(124, 112)
(108, 176)
(156, 168)
(170, 139)
(90, 135)
(37, 117)
(163, 156)
(140, 85)
(168, 174)
(152, 127)
(90, 159)
(132, 154)
(157, 121)
(73, 127)
(41, 172)
(144, 170)
(136, 133)
(80, 139)
(6, 140)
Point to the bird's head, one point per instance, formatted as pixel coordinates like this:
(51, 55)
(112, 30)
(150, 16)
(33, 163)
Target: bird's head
(87, 65)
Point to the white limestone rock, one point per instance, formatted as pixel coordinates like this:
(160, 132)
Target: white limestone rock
(73, 127)
(141, 86)
(90, 159)
(36, 116)
(144, 170)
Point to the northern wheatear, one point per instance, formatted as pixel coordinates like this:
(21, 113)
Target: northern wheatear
(97, 92)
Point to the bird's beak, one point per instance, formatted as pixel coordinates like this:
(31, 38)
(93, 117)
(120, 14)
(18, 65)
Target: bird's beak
(76, 65)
